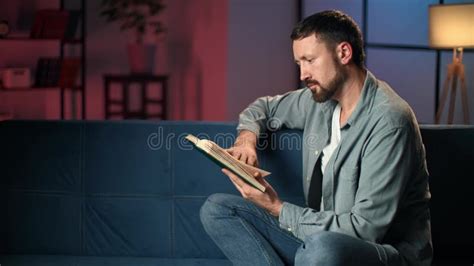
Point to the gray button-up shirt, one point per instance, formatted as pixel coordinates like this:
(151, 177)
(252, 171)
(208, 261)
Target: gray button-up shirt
(375, 186)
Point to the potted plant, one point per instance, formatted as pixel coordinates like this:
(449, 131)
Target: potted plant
(136, 15)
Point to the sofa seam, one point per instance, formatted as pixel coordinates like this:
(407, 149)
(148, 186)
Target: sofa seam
(172, 240)
(82, 192)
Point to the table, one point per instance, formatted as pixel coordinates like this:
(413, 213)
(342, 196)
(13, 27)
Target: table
(125, 81)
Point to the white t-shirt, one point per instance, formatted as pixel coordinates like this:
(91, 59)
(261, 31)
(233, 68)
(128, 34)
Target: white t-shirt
(335, 138)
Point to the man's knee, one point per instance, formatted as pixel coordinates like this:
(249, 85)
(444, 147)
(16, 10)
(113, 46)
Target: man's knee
(216, 205)
(322, 248)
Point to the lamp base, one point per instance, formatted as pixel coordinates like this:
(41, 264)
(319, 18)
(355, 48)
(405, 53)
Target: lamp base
(455, 72)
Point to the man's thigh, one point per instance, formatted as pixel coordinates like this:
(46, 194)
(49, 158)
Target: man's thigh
(329, 248)
(282, 241)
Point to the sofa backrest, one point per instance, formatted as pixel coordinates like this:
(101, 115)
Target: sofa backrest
(117, 188)
(450, 159)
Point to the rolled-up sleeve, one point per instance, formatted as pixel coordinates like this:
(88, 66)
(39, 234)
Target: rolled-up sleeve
(288, 109)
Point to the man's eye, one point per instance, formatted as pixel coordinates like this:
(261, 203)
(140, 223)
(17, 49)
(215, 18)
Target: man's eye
(310, 61)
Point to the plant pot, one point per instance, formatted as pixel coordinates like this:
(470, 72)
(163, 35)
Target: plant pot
(141, 58)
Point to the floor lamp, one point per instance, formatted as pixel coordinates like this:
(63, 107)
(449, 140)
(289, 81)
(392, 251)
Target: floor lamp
(452, 26)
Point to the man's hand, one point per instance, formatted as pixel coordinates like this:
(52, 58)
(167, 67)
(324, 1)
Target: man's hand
(244, 148)
(268, 200)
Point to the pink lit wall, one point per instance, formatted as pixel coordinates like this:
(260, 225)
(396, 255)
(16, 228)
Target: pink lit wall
(196, 56)
(260, 51)
(192, 52)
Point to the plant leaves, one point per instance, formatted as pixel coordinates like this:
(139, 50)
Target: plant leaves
(133, 14)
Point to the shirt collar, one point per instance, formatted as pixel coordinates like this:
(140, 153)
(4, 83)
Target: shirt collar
(328, 106)
(364, 104)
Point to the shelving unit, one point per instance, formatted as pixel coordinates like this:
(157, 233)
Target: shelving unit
(63, 43)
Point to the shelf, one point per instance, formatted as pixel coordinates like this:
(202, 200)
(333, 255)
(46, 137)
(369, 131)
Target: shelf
(5, 116)
(29, 89)
(28, 39)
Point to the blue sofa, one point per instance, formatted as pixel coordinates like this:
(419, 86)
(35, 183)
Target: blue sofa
(129, 193)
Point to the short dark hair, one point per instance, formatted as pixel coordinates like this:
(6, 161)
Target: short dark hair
(333, 27)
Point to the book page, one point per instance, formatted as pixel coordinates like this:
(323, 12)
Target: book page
(226, 160)
(249, 169)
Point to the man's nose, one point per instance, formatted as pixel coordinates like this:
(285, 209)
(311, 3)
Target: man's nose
(304, 74)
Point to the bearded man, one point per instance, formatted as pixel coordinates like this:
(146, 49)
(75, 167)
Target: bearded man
(365, 180)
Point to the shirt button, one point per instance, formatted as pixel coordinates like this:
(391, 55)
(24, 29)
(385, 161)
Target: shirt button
(289, 229)
(316, 152)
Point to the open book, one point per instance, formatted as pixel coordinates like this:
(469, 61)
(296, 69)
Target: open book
(224, 159)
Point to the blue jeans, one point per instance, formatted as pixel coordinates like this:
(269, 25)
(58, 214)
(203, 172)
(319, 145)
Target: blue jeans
(249, 235)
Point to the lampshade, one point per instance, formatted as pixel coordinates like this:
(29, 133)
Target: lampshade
(451, 26)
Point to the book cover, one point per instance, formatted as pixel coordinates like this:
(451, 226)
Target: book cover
(73, 23)
(41, 72)
(217, 154)
(53, 72)
(47, 72)
(69, 71)
(49, 24)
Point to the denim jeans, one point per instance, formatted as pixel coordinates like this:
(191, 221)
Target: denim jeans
(249, 235)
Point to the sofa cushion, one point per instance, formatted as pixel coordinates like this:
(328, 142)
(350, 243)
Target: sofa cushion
(45, 260)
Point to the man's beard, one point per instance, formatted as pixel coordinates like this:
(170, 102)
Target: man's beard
(323, 94)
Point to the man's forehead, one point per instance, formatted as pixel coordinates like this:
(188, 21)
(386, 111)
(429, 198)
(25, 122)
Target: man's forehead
(310, 42)
(311, 37)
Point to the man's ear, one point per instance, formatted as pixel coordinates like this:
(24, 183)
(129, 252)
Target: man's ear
(344, 52)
